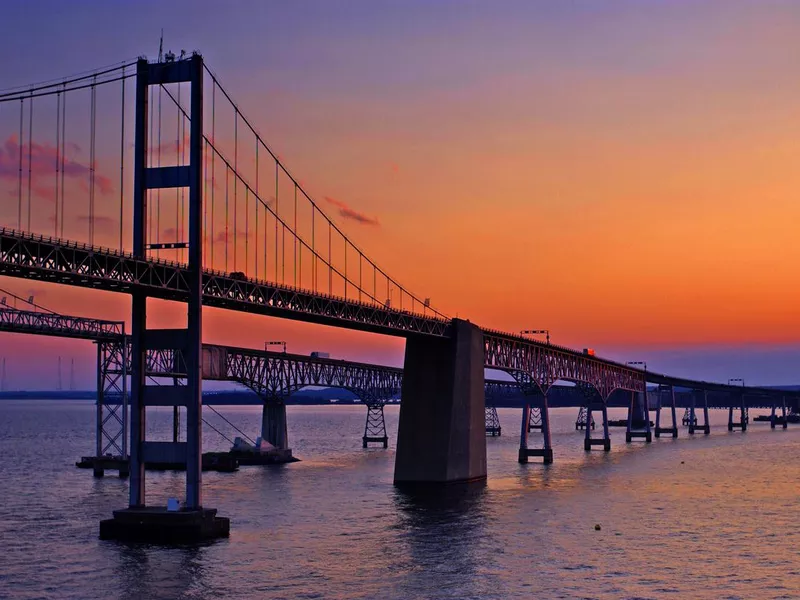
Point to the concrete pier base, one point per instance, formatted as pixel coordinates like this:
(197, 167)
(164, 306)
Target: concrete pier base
(160, 526)
(441, 436)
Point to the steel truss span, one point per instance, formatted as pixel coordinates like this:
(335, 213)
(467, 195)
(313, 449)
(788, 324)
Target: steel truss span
(57, 261)
(535, 364)
(532, 363)
(42, 323)
(273, 375)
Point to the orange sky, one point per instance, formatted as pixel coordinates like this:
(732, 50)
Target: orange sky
(623, 174)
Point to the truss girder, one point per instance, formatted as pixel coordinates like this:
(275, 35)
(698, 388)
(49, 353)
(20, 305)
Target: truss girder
(42, 323)
(274, 375)
(59, 261)
(543, 364)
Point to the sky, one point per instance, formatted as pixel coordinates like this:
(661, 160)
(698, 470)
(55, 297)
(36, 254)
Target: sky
(621, 173)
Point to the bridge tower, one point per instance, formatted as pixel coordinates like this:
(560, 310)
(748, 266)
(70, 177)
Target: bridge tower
(138, 521)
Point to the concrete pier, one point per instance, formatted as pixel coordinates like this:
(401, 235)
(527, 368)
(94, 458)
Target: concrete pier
(441, 436)
(273, 424)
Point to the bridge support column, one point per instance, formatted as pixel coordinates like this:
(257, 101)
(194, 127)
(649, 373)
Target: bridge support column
(783, 413)
(273, 423)
(375, 426)
(638, 420)
(541, 421)
(581, 420)
(441, 436)
(669, 430)
(743, 416)
(605, 441)
(694, 425)
(594, 401)
(111, 411)
(492, 421)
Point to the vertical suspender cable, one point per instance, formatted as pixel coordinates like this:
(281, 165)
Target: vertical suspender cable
(179, 160)
(294, 253)
(158, 154)
(19, 199)
(179, 209)
(151, 104)
(226, 216)
(63, 154)
(122, 163)
(30, 156)
(313, 250)
(58, 150)
(345, 268)
(255, 267)
(235, 180)
(213, 161)
(205, 200)
(92, 158)
(277, 214)
(330, 260)
(246, 226)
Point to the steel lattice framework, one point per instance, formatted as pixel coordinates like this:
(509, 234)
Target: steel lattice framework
(274, 375)
(49, 259)
(532, 363)
(544, 364)
(43, 323)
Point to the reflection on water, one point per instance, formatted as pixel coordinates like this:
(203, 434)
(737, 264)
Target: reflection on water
(707, 517)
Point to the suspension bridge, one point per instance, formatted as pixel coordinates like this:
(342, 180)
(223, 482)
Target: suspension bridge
(181, 199)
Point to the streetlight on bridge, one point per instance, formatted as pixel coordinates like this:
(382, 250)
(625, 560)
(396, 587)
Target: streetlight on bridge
(545, 332)
(276, 343)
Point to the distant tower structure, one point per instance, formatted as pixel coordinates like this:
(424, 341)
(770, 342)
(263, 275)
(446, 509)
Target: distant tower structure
(59, 374)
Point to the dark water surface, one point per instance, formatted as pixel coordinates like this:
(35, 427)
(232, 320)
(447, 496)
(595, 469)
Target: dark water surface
(709, 517)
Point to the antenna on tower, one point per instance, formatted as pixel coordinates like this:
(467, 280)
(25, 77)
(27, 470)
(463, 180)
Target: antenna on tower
(161, 46)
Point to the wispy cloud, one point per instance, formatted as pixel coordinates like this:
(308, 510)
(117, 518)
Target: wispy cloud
(100, 220)
(41, 159)
(347, 212)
